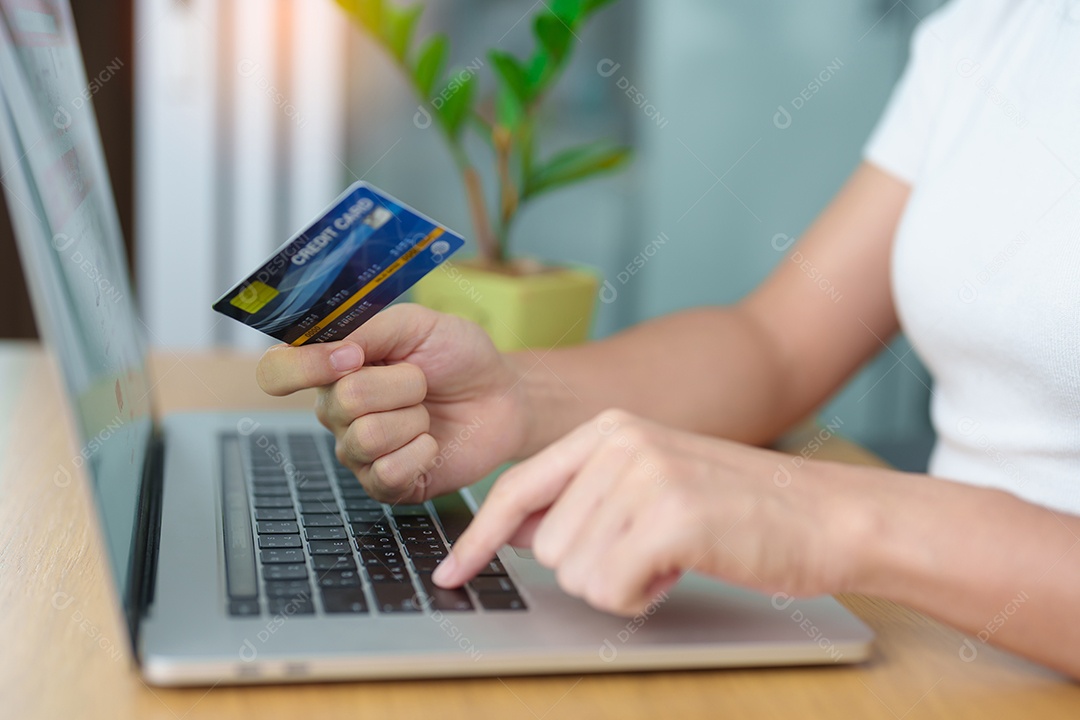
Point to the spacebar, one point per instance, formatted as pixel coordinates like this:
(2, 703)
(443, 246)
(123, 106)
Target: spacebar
(240, 577)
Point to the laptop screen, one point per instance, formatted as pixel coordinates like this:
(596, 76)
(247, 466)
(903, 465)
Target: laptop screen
(53, 171)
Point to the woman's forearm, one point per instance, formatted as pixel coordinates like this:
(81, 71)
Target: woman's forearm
(747, 372)
(1003, 570)
(710, 371)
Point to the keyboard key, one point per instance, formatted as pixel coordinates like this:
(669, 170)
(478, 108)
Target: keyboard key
(281, 556)
(362, 504)
(495, 567)
(447, 600)
(366, 516)
(321, 520)
(339, 579)
(395, 597)
(274, 491)
(329, 547)
(291, 606)
(428, 549)
(275, 514)
(380, 574)
(344, 600)
(364, 529)
(414, 523)
(502, 601)
(333, 562)
(307, 484)
(273, 527)
(280, 541)
(492, 584)
(426, 564)
(269, 482)
(409, 511)
(288, 588)
(390, 563)
(297, 571)
(389, 553)
(326, 533)
(420, 535)
(440, 598)
(316, 496)
(319, 508)
(352, 489)
(244, 608)
(376, 542)
(272, 501)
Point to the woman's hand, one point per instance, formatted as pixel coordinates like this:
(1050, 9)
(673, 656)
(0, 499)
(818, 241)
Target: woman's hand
(421, 403)
(622, 507)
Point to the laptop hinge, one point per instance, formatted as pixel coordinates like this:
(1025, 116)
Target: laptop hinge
(145, 543)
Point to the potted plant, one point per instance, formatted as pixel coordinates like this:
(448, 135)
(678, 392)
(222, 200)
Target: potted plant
(520, 302)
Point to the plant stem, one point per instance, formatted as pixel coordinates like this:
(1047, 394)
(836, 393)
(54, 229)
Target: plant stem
(491, 250)
(508, 192)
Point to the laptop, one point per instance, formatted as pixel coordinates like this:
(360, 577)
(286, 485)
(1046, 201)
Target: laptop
(241, 551)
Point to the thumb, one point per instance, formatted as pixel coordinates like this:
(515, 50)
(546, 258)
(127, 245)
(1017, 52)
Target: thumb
(284, 370)
(395, 333)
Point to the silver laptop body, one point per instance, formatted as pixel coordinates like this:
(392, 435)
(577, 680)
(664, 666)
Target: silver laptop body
(185, 503)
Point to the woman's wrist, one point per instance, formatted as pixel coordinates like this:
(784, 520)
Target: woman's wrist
(541, 403)
(862, 512)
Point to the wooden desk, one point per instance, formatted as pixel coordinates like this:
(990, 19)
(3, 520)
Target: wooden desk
(72, 662)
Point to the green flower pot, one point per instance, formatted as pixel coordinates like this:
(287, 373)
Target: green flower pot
(541, 310)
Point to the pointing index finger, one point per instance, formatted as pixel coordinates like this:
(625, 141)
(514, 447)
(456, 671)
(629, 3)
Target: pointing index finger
(526, 489)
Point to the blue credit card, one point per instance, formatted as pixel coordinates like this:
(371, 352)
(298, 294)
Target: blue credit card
(354, 260)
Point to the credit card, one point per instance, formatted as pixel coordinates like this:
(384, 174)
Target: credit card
(359, 256)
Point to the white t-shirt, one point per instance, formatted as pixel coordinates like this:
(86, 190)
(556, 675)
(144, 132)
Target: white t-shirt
(985, 127)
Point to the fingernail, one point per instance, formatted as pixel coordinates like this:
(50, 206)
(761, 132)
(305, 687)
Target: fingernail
(445, 570)
(347, 357)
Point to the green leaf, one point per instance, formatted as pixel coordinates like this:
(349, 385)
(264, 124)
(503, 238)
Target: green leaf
(511, 75)
(429, 64)
(509, 111)
(368, 13)
(399, 24)
(537, 70)
(454, 102)
(575, 165)
(568, 10)
(588, 7)
(554, 36)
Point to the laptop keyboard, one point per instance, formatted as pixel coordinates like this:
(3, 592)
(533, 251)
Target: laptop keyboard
(302, 537)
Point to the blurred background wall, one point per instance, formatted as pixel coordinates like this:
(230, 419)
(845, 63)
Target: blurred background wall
(250, 116)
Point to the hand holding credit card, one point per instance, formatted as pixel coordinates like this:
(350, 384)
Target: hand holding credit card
(359, 256)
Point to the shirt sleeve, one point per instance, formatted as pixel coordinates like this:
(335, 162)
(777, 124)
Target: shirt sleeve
(900, 142)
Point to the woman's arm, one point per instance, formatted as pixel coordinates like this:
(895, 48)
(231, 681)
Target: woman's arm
(1001, 569)
(750, 371)
(622, 507)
